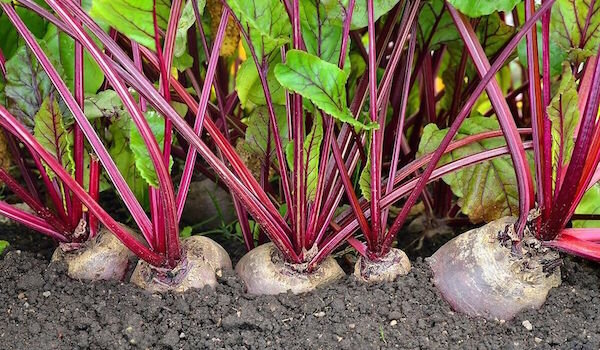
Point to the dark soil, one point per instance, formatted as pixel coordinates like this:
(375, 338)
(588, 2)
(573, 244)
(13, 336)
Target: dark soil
(42, 308)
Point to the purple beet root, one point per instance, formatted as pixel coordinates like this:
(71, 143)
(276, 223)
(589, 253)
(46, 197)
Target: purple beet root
(264, 271)
(477, 274)
(202, 262)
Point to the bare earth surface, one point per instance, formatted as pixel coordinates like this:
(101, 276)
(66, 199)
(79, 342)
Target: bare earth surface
(42, 308)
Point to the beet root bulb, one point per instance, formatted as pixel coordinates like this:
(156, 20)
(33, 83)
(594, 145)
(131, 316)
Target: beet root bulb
(479, 275)
(264, 271)
(387, 269)
(103, 257)
(202, 261)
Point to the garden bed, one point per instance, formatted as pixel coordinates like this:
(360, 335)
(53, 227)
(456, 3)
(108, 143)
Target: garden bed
(39, 304)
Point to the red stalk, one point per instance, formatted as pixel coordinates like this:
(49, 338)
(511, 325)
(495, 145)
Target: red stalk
(459, 119)
(94, 191)
(164, 179)
(349, 227)
(30, 221)
(579, 171)
(190, 160)
(16, 128)
(376, 136)
(43, 212)
(78, 140)
(128, 197)
(505, 118)
(401, 116)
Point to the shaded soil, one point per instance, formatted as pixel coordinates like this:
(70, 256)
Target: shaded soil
(42, 308)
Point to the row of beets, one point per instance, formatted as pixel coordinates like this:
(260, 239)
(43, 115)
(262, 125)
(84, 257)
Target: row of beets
(315, 146)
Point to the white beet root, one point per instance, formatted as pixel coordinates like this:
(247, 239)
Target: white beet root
(390, 267)
(103, 257)
(479, 276)
(264, 271)
(202, 261)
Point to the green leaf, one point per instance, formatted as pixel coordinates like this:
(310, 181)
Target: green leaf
(435, 25)
(185, 232)
(143, 161)
(312, 152)
(478, 8)
(249, 88)
(11, 38)
(266, 21)
(564, 116)
(557, 54)
(49, 130)
(364, 182)
(321, 82)
(575, 27)
(360, 18)
(133, 17)
(590, 204)
(186, 21)
(322, 32)
(121, 153)
(3, 246)
(486, 191)
(27, 85)
(61, 48)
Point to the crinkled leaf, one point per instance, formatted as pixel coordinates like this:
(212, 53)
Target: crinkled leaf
(266, 21)
(478, 8)
(319, 81)
(564, 115)
(590, 204)
(360, 18)
(133, 17)
(143, 161)
(249, 88)
(27, 85)
(49, 130)
(486, 191)
(575, 27)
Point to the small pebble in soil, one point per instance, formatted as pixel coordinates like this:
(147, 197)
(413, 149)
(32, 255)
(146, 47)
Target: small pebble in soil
(46, 294)
(393, 322)
(527, 325)
(537, 340)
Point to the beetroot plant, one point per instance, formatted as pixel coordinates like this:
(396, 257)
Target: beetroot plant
(510, 264)
(58, 153)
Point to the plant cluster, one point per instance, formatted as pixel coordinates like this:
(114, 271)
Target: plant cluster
(330, 123)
